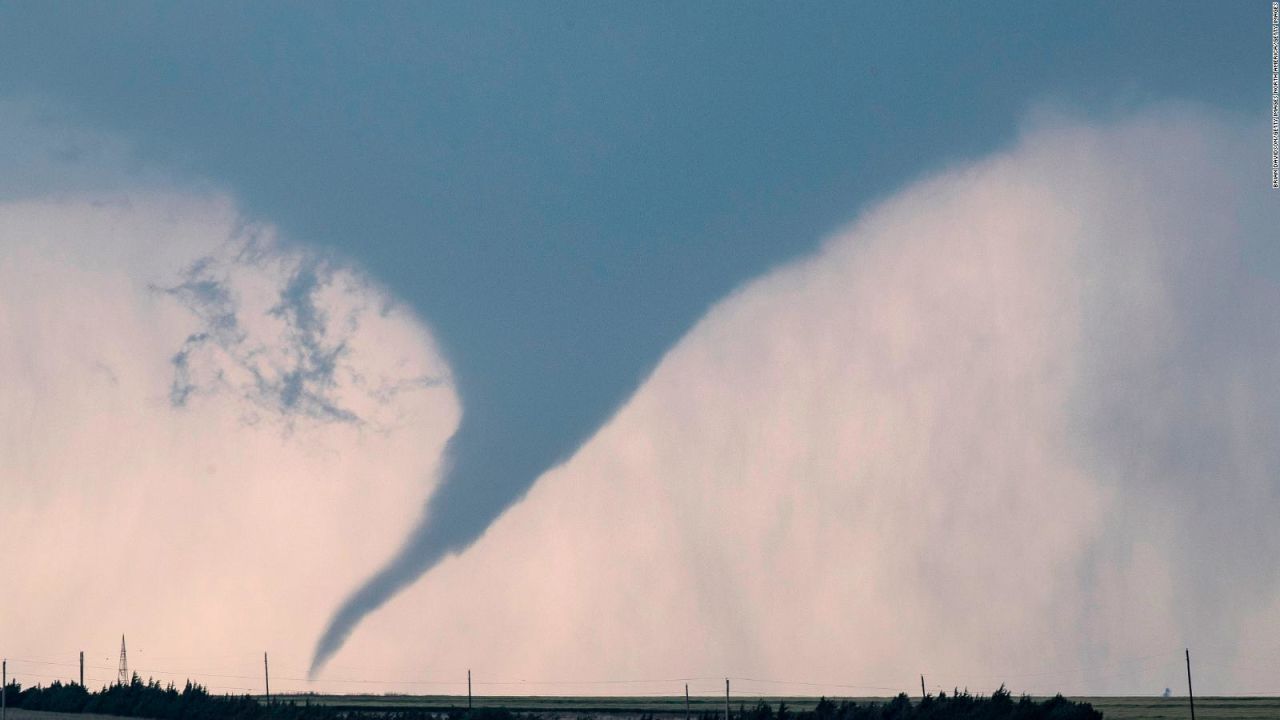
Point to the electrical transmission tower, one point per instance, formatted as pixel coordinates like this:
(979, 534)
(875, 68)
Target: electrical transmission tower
(123, 678)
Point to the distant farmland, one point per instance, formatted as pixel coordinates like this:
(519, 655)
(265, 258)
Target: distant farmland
(1113, 708)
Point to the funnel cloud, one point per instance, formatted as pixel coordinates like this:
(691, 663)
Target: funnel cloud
(561, 191)
(470, 495)
(1015, 424)
(1035, 393)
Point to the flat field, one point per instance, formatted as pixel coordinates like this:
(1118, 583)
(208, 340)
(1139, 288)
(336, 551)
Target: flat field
(1207, 708)
(17, 714)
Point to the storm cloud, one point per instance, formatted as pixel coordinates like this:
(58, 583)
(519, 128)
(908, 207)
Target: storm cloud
(1015, 424)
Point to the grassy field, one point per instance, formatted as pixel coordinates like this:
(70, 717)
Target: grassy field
(1113, 708)
(1207, 708)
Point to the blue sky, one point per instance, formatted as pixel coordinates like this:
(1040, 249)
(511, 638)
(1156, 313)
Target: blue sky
(562, 189)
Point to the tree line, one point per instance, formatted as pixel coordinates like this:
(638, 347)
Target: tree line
(194, 702)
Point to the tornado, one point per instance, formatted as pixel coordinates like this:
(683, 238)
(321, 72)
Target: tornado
(489, 464)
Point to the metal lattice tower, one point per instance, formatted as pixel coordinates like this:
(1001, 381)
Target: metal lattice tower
(123, 677)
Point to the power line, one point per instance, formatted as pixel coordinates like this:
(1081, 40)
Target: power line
(1114, 668)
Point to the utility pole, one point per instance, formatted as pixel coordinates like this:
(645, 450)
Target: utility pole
(468, 688)
(1190, 695)
(923, 694)
(4, 687)
(726, 699)
(266, 676)
(81, 668)
(686, 701)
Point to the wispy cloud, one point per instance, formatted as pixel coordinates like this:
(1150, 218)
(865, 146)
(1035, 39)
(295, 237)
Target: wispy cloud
(198, 422)
(292, 358)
